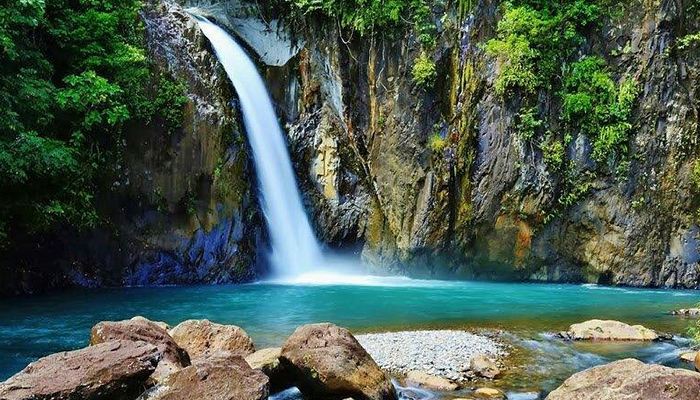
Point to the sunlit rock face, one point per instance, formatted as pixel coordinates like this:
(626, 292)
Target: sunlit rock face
(359, 132)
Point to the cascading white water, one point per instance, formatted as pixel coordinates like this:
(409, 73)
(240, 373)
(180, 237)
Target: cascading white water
(295, 249)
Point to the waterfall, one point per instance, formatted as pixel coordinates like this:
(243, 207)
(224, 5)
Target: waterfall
(295, 249)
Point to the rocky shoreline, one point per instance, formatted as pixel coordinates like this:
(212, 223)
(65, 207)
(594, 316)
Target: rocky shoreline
(139, 359)
(447, 354)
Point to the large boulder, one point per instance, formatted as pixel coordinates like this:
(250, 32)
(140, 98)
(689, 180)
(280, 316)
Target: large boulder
(141, 329)
(217, 376)
(329, 363)
(268, 361)
(597, 329)
(697, 360)
(630, 380)
(113, 370)
(201, 336)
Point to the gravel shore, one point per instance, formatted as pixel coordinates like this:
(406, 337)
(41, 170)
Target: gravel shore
(442, 353)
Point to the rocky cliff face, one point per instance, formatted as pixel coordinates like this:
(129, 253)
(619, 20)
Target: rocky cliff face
(478, 205)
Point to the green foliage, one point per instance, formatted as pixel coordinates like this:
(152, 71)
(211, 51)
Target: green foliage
(73, 73)
(368, 17)
(689, 41)
(424, 71)
(360, 15)
(597, 106)
(696, 175)
(534, 38)
(437, 143)
(170, 102)
(553, 152)
(528, 123)
(575, 186)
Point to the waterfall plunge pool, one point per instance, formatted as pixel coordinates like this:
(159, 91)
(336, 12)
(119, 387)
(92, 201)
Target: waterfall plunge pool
(33, 327)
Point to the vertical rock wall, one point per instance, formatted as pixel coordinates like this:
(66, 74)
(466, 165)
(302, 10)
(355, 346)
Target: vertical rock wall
(359, 132)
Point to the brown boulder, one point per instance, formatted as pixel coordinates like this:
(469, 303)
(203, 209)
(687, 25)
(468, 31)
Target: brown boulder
(113, 370)
(697, 361)
(199, 336)
(141, 329)
(329, 363)
(218, 376)
(630, 380)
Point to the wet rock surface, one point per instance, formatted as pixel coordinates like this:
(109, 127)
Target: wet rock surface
(629, 380)
(112, 370)
(329, 363)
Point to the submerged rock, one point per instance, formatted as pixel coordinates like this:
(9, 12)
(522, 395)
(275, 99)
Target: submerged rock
(329, 363)
(199, 336)
(218, 376)
(687, 312)
(113, 370)
(483, 366)
(490, 393)
(630, 380)
(173, 357)
(425, 380)
(597, 329)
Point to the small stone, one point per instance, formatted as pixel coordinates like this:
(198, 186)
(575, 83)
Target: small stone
(428, 381)
(490, 393)
(482, 366)
(689, 356)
